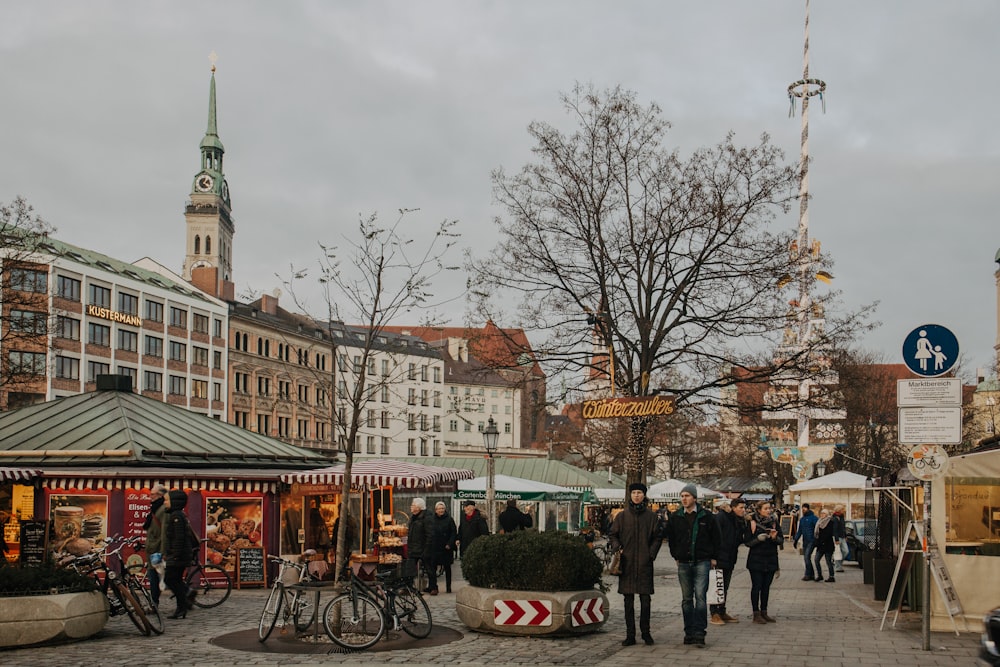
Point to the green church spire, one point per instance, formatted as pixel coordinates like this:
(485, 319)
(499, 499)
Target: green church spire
(210, 179)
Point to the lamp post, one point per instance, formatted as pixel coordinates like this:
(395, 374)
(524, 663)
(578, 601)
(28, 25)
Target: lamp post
(820, 469)
(490, 437)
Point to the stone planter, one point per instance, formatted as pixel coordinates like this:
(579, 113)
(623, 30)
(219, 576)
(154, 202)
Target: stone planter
(531, 613)
(40, 619)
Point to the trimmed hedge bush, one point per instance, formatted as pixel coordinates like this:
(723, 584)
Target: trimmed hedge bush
(43, 580)
(526, 560)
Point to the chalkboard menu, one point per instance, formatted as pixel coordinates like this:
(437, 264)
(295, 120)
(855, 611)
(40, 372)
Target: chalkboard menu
(785, 522)
(250, 566)
(33, 542)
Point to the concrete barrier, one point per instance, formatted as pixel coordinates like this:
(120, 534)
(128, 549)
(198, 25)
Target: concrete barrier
(531, 613)
(42, 619)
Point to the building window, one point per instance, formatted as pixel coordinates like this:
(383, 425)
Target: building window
(99, 296)
(411, 372)
(371, 369)
(241, 419)
(385, 393)
(302, 429)
(506, 427)
(437, 423)
(26, 363)
(385, 368)
(178, 318)
(437, 448)
(131, 373)
(321, 431)
(154, 311)
(152, 381)
(411, 447)
(199, 323)
(437, 374)
(437, 399)
(29, 280)
(284, 424)
(342, 361)
(423, 446)
(453, 425)
(67, 368)
(284, 389)
(199, 388)
(95, 368)
(468, 427)
(411, 422)
(199, 356)
(28, 322)
(128, 303)
(128, 340)
(357, 445)
(303, 394)
(264, 424)
(216, 391)
(385, 445)
(370, 421)
(423, 397)
(217, 328)
(411, 396)
(356, 366)
(178, 385)
(385, 419)
(320, 396)
(68, 288)
(370, 444)
(217, 360)
(423, 373)
(263, 386)
(178, 351)
(242, 383)
(423, 422)
(98, 334)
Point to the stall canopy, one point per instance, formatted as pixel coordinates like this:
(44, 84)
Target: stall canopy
(379, 472)
(506, 488)
(18, 474)
(842, 479)
(671, 490)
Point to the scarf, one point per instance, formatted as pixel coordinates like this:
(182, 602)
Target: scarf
(152, 510)
(820, 525)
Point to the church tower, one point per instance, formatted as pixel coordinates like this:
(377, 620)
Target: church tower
(208, 261)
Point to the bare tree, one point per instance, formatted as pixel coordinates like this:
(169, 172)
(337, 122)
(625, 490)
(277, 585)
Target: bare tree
(674, 258)
(369, 281)
(24, 316)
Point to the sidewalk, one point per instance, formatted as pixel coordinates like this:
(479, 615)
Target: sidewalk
(829, 624)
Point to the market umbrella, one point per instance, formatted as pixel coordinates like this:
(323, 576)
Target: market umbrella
(671, 489)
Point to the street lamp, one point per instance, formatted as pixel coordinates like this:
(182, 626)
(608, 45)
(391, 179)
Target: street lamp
(820, 469)
(490, 437)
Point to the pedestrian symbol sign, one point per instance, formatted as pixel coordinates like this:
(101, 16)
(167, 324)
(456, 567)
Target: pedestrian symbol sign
(930, 350)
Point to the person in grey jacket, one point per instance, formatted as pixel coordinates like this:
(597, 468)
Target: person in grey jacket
(635, 533)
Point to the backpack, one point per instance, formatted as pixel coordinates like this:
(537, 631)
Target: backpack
(193, 541)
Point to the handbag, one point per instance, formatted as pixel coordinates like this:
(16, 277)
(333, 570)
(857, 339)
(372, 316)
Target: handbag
(716, 588)
(616, 564)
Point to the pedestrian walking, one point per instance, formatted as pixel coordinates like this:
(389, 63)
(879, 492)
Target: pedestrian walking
(471, 527)
(764, 536)
(635, 533)
(694, 544)
(418, 540)
(512, 518)
(732, 534)
(441, 547)
(806, 533)
(839, 538)
(153, 525)
(824, 532)
(178, 550)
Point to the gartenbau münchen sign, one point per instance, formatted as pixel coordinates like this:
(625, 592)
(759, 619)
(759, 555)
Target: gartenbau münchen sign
(114, 315)
(628, 406)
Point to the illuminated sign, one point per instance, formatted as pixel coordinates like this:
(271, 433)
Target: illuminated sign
(114, 315)
(625, 406)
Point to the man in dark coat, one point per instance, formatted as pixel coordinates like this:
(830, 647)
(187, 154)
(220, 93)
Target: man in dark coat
(443, 535)
(732, 533)
(694, 544)
(418, 537)
(177, 551)
(471, 526)
(512, 518)
(634, 532)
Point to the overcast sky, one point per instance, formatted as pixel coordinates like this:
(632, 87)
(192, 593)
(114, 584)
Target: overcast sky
(329, 110)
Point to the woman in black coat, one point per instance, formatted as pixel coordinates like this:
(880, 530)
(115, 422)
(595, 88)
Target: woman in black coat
(177, 550)
(763, 537)
(635, 531)
(441, 547)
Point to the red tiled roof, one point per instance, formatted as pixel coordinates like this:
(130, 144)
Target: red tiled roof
(493, 346)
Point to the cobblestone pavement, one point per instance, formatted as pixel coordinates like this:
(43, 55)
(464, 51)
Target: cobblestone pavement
(829, 624)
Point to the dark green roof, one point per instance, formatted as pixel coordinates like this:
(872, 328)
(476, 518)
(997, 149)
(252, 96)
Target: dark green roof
(549, 471)
(122, 428)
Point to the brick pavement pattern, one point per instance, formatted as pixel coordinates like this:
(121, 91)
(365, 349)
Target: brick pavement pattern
(818, 623)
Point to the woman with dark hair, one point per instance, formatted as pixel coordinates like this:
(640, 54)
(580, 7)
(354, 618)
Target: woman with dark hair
(763, 537)
(177, 550)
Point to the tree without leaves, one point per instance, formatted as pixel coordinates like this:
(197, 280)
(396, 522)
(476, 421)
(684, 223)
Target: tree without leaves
(24, 319)
(385, 276)
(675, 254)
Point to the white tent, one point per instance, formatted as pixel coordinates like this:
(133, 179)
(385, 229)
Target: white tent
(670, 489)
(838, 488)
(558, 506)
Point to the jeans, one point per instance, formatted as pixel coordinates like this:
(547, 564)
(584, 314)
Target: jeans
(760, 588)
(693, 578)
(817, 559)
(807, 551)
(720, 609)
(843, 555)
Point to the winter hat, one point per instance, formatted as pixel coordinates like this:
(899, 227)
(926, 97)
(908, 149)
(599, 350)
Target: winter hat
(637, 486)
(178, 499)
(690, 488)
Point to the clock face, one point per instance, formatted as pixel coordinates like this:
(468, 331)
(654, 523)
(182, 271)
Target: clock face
(225, 190)
(204, 183)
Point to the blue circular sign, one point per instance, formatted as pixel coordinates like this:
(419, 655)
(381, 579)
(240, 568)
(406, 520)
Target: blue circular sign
(930, 350)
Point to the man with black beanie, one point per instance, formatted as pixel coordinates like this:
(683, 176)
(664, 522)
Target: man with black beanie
(634, 532)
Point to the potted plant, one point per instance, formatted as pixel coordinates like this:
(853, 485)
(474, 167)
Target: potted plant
(531, 583)
(47, 604)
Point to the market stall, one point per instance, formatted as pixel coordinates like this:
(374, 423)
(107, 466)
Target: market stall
(380, 491)
(551, 507)
(838, 488)
(17, 497)
(669, 490)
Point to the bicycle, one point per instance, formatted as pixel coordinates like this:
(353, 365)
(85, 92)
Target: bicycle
(295, 606)
(139, 591)
(119, 594)
(360, 616)
(210, 584)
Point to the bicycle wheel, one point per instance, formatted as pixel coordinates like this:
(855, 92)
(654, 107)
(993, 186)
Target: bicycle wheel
(145, 600)
(353, 621)
(303, 611)
(272, 609)
(211, 585)
(132, 607)
(414, 614)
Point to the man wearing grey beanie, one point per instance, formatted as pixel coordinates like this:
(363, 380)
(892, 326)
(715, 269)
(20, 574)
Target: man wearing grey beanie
(694, 543)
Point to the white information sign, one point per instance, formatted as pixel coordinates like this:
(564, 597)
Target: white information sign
(927, 462)
(941, 426)
(929, 392)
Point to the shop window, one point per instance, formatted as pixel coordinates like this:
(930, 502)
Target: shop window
(973, 519)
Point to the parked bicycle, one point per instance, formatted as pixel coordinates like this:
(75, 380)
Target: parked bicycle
(361, 615)
(123, 597)
(283, 606)
(210, 583)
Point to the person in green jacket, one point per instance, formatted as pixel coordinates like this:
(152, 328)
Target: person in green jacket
(153, 525)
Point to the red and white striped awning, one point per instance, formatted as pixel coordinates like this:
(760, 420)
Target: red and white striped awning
(186, 483)
(18, 474)
(378, 472)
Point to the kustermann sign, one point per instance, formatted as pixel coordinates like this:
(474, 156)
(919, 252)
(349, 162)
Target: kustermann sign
(628, 406)
(114, 315)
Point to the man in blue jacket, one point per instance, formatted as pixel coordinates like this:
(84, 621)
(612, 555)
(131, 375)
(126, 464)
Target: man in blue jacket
(807, 525)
